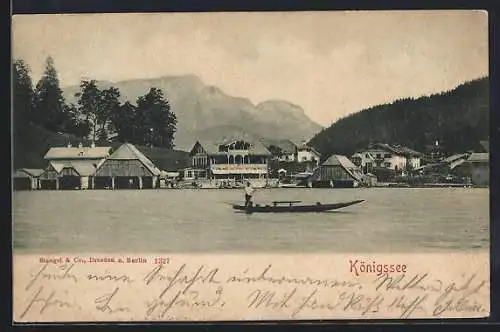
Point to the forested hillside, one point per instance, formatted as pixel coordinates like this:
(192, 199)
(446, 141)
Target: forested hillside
(458, 119)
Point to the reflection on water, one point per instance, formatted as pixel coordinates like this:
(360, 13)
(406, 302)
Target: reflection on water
(400, 220)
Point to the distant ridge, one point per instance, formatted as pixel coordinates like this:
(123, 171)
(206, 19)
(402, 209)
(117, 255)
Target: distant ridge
(458, 119)
(206, 112)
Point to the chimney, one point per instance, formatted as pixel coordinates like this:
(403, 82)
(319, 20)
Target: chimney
(80, 145)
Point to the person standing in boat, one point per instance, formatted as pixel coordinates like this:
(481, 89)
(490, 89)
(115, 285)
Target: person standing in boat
(249, 190)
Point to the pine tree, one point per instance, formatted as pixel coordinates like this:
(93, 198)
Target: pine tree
(21, 110)
(48, 108)
(23, 95)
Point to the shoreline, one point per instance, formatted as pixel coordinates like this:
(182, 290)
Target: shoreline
(430, 186)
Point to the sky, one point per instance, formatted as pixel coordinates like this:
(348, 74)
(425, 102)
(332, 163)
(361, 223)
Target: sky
(330, 63)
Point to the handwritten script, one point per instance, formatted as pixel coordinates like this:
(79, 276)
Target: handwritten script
(80, 289)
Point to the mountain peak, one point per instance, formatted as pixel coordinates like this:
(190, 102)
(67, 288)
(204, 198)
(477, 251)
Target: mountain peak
(278, 101)
(214, 90)
(278, 104)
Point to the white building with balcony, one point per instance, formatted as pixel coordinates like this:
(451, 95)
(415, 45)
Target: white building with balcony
(230, 159)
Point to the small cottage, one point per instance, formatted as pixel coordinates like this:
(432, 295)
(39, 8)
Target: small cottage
(337, 172)
(26, 179)
(71, 167)
(477, 168)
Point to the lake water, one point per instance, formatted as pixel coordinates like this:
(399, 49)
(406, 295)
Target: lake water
(397, 219)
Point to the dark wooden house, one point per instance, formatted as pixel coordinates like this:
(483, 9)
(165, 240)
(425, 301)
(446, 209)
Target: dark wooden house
(337, 172)
(127, 168)
(477, 168)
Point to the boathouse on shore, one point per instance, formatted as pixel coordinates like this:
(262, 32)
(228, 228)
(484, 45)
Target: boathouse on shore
(26, 179)
(126, 168)
(337, 172)
(72, 167)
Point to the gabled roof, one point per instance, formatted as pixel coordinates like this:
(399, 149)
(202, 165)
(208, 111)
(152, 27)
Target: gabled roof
(77, 152)
(212, 148)
(396, 149)
(31, 172)
(258, 148)
(128, 151)
(305, 147)
(407, 151)
(57, 166)
(345, 163)
(20, 174)
(455, 157)
(286, 146)
(479, 157)
(82, 167)
(338, 160)
(364, 154)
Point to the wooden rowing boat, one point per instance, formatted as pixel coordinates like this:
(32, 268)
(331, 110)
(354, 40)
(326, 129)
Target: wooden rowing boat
(288, 206)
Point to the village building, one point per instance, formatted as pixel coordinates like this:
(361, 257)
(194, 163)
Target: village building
(308, 153)
(337, 172)
(444, 166)
(127, 168)
(283, 161)
(230, 159)
(477, 168)
(72, 167)
(26, 179)
(454, 160)
(309, 156)
(392, 157)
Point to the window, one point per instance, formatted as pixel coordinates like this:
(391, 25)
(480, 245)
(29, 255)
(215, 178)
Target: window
(379, 155)
(387, 155)
(387, 165)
